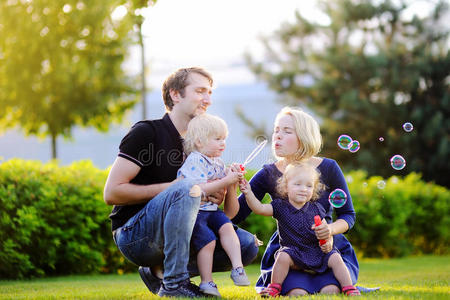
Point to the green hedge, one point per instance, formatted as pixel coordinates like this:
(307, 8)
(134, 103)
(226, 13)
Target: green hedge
(406, 216)
(53, 219)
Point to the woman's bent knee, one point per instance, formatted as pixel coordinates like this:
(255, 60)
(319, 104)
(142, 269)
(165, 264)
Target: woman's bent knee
(297, 292)
(330, 289)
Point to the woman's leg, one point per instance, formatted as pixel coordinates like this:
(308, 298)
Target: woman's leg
(205, 261)
(330, 289)
(297, 292)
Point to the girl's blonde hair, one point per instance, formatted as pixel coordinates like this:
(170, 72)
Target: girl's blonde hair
(201, 128)
(307, 130)
(294, 169)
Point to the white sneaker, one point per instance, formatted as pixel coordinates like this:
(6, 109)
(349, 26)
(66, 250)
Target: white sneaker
(239, 277)
(209, 288)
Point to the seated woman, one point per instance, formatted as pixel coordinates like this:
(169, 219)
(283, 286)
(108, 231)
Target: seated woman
(297, 138)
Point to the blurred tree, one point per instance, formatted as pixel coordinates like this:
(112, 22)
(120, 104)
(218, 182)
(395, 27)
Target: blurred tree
(60, 66)
(370, 68)
(136, 7)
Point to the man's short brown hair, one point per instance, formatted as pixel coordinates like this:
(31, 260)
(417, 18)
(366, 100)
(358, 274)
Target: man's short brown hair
(177, 81)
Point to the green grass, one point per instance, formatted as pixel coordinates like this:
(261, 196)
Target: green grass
(425, 277)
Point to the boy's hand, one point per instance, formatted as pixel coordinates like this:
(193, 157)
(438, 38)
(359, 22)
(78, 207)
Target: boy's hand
(232, 177)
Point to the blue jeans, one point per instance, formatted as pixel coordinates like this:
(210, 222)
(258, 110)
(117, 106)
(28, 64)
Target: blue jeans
(160, 234)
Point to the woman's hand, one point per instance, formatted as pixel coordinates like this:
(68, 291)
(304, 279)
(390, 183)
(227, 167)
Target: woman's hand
(323, 231)
(328, 246)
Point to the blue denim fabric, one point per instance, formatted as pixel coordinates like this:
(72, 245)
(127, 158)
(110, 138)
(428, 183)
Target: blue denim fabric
(161, 232)
(249, 251)
(206, 228)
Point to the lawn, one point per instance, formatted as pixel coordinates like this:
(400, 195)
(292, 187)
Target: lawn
(425, 277)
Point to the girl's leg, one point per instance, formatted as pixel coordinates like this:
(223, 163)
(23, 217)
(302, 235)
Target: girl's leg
(230, 243)
(281, 267)
(205, 261)
(340, 270)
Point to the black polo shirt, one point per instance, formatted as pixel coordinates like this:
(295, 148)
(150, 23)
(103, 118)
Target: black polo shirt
(156, 147)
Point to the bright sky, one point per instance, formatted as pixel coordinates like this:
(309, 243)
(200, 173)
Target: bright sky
(215, 34)
(211, 33)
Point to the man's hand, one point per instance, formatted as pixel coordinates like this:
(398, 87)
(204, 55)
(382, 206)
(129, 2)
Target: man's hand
(217, 197)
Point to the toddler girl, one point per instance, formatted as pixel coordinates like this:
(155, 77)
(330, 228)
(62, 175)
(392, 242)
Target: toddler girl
(298, 188)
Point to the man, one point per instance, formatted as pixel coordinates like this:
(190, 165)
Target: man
(154, 214)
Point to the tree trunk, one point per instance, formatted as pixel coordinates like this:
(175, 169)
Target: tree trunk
(54, 155)
(143, 85)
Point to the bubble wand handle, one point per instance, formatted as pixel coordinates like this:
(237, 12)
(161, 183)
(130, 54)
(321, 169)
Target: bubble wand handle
(253, 154)
(318, 222)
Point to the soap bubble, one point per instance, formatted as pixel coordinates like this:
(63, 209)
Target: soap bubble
(344, 141)
(354, 146)
(408, 127)
(398, 162)
(381, 184)
(337, 198)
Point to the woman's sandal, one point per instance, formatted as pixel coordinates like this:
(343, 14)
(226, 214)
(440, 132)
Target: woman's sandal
(350, 290)
(272, 290)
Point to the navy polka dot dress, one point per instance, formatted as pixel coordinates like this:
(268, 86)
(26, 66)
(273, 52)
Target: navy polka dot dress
(296, 236)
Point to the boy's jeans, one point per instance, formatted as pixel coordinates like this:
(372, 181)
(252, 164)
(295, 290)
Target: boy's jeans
(161, 232)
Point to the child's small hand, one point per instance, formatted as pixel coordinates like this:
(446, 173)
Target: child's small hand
(244, 186)
(232, 177)
(328, 246)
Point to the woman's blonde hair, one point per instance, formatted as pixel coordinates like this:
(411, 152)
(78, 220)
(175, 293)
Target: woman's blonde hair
(307, 130)
(294, 169)
(201, 128)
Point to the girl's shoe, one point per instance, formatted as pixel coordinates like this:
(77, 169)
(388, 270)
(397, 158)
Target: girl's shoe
(350, 290)
(209, 288)
(272, 290)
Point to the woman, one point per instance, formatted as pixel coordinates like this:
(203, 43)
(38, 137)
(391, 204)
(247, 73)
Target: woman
(297, 137)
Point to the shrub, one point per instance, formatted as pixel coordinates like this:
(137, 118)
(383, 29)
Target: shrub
(53, 220)
(406, 216)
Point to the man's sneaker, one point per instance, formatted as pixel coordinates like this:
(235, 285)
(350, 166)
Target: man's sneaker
(209, 288)
(152, 282)
(239, 277)
(185, 289)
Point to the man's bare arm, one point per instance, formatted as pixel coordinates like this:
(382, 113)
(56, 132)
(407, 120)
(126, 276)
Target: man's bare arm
(118, 189)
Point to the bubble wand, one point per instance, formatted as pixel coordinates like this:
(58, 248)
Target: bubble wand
(252, 155)
(318, 222)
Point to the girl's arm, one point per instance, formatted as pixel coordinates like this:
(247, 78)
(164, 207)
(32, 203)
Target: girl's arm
(255, 205)
(260, 185)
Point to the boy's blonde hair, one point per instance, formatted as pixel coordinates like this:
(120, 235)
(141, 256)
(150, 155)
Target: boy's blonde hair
(201, 128)
(292, 170)
(307, 130)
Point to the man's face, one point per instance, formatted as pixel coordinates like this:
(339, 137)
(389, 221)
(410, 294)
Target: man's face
(197, 96)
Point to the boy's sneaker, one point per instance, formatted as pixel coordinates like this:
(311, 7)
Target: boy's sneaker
(209, 288)
(239, 277)
(152, 282)
(185, 289)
